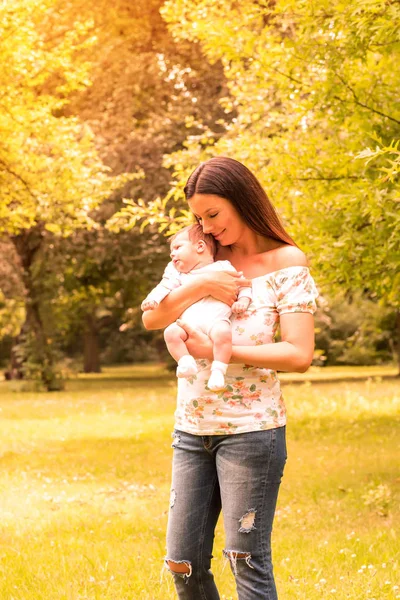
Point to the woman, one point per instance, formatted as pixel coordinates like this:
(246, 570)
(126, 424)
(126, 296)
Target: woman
(229, 448)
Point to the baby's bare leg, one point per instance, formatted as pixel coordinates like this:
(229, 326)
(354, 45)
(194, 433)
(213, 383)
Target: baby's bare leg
(175, 338)
(221, 336)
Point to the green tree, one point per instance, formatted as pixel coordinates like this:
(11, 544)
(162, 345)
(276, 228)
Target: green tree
(105, 277)
(147, 94)
(312, 86)
(51, 176)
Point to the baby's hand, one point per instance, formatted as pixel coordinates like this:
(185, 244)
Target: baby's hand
(148, 305)
(240, 305)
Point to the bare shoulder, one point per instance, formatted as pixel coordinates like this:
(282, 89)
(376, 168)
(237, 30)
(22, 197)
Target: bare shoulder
(289, 256)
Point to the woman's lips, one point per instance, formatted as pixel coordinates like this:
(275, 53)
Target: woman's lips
(219, 235)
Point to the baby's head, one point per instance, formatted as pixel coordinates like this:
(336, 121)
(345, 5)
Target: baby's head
(190, 247)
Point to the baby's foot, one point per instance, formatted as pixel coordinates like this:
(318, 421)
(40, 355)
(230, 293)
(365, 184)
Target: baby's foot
(216, 381)
(186, 366)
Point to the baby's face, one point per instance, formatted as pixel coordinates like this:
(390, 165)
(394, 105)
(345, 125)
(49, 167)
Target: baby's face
(183, 253)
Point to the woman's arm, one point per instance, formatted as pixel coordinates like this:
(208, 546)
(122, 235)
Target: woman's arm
(294, 353)
(177, 301)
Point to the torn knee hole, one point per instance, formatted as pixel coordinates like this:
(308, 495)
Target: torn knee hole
(234, 556)
(180, 567)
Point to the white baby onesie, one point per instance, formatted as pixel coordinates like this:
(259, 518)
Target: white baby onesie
(207, 311)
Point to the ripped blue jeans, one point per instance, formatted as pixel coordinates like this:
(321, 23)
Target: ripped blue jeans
(239, 474)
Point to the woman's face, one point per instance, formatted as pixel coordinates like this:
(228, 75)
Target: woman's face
(218, 217)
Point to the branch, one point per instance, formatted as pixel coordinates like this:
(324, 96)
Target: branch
(377, 112)
(287, 76)
(6, 109)
(357, 101)
(328, 178)
(11, 172)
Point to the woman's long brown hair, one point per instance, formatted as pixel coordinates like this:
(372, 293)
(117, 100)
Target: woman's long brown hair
(230, 179)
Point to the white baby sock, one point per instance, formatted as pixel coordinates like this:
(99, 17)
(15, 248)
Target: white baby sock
(186, 366)
(217, 379)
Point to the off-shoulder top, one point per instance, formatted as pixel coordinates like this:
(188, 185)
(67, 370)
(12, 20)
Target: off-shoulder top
(252, 399)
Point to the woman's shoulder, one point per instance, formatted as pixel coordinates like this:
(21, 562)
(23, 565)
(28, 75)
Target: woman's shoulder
(281, 256)
(288, 256)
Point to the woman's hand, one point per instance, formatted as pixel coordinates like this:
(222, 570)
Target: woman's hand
(224, 285)
(198, 343)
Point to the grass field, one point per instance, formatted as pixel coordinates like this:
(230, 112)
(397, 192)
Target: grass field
(84, 489)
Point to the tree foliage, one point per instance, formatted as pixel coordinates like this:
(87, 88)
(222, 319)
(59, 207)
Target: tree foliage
(304, 93)
(114, 93)
(147, 94)
(313, 84)
(51, 175)
(148, 91)
(50, 171)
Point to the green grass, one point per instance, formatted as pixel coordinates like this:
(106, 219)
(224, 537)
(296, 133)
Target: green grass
(85, 475)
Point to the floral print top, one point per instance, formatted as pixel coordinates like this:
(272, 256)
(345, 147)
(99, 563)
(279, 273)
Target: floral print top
(252, 399)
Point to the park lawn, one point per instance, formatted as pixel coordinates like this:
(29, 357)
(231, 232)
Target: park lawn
(84, 490)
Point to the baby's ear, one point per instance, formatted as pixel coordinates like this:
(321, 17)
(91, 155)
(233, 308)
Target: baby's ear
(201, 246)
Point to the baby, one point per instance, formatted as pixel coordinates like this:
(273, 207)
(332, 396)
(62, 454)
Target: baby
(192, 254)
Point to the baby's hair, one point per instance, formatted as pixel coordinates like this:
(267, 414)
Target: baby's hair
(196, 234)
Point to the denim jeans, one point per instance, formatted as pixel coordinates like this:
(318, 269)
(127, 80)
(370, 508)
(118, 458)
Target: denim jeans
(239, 474)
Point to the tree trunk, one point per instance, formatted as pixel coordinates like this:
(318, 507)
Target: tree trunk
(15, 369)
(38, 352)
(91, 349)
